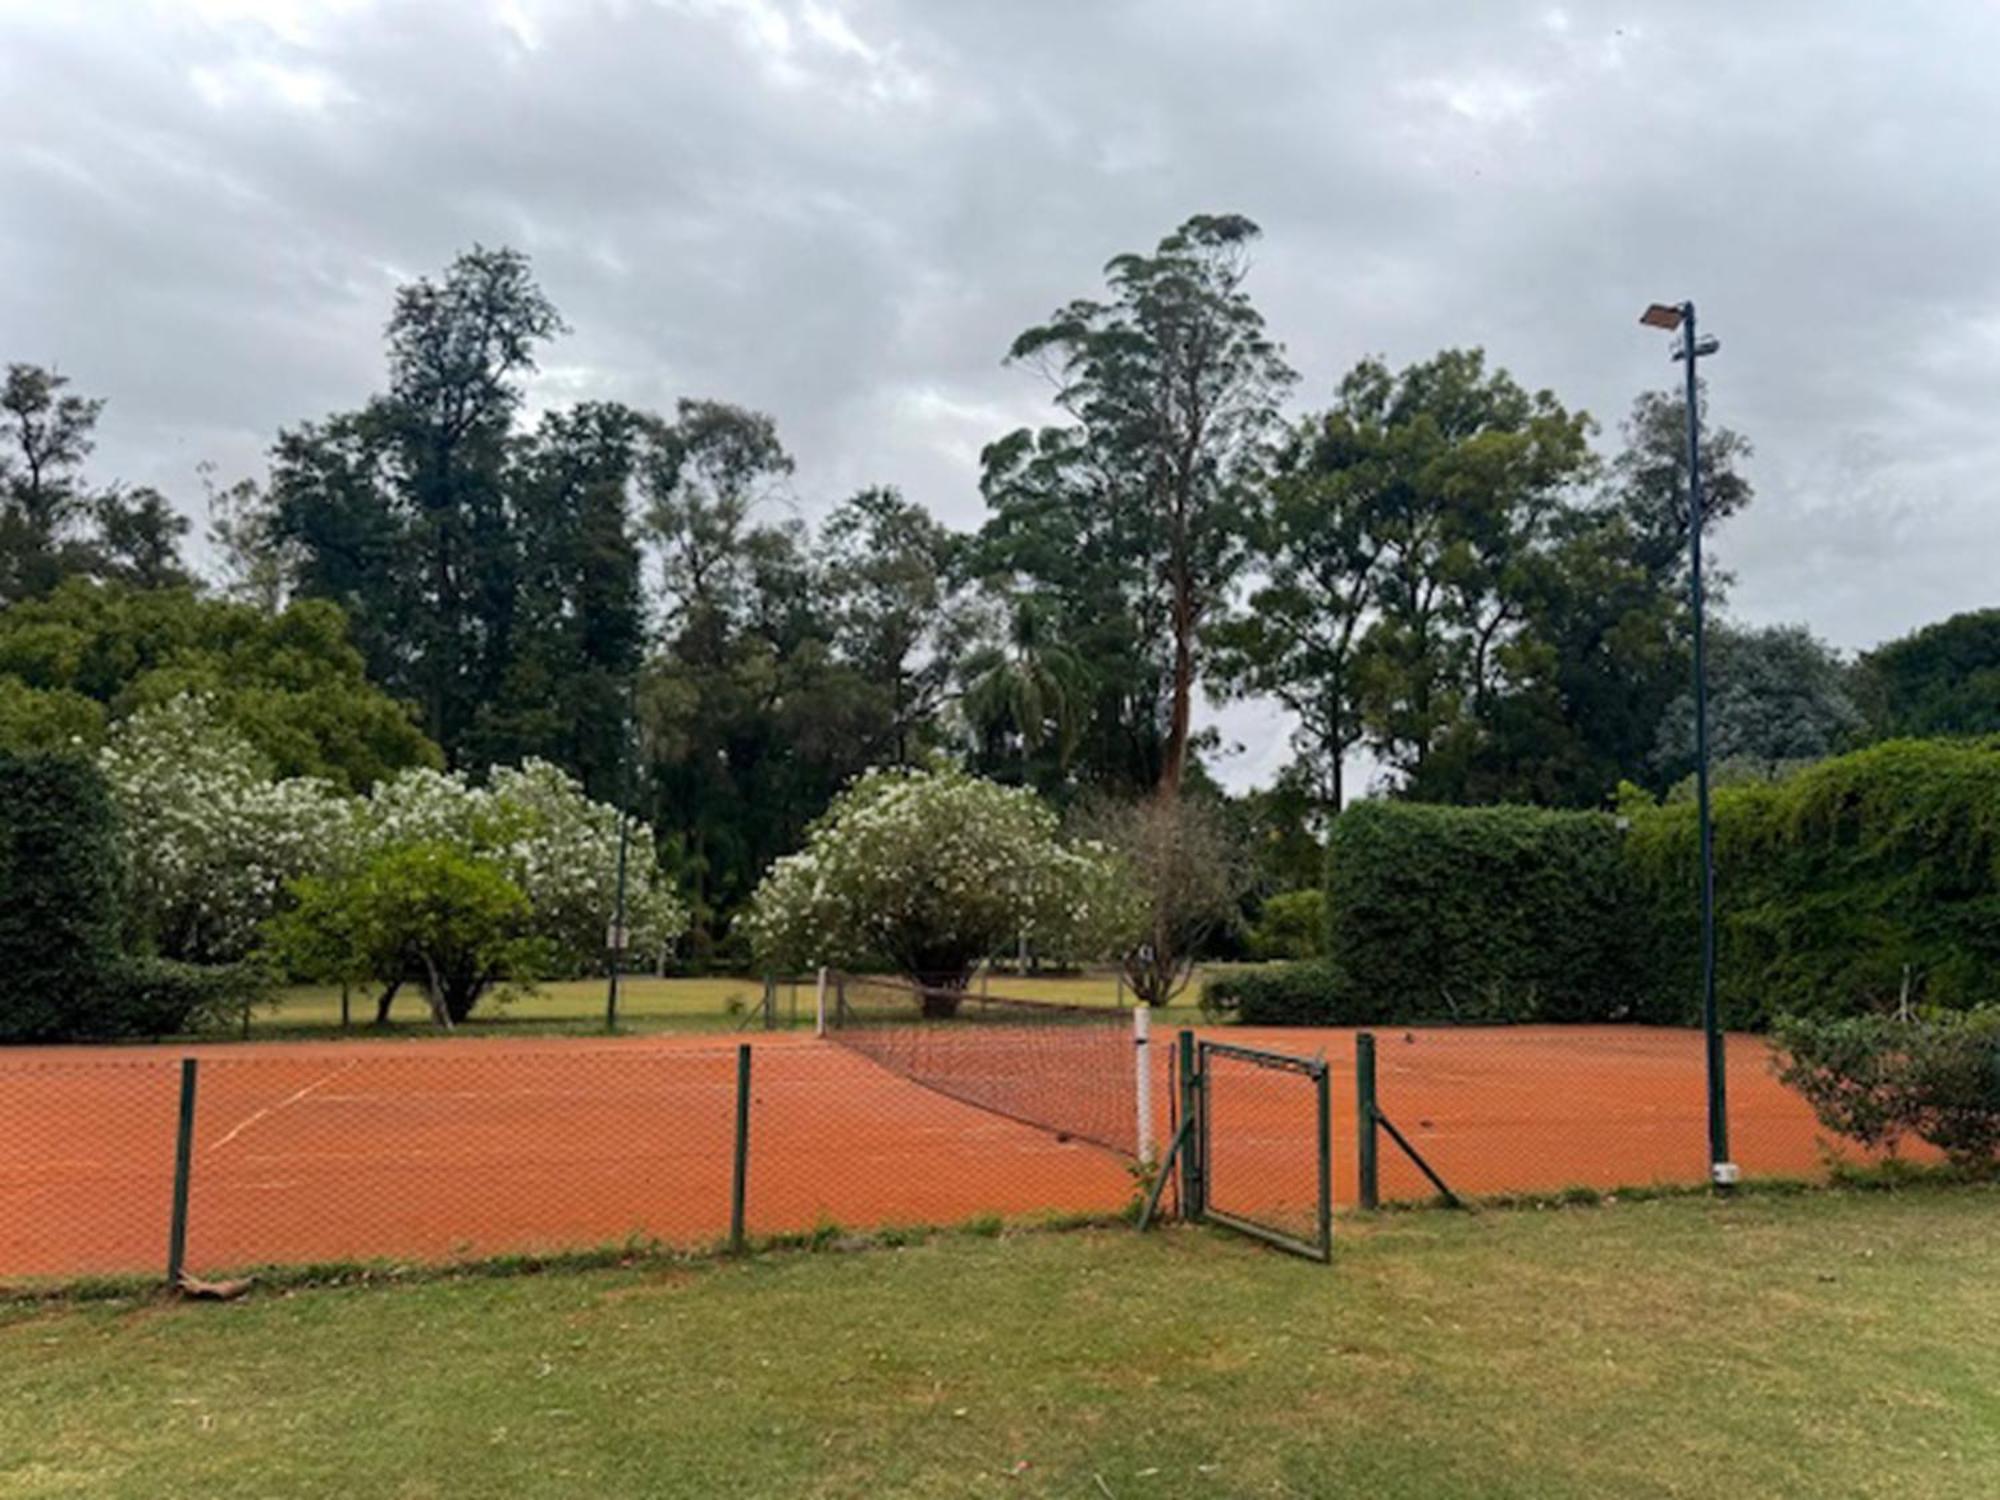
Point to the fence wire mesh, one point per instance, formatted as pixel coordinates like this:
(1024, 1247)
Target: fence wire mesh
(1538, 1110)
(1264, 1144)
(421, 1152)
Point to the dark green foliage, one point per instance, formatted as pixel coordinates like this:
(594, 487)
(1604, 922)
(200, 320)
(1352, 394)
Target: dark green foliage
(1857, 883)
(162, 997)
(1943, 679)
(1875, 1079)
(1294, 994)
(65, 976)
(290, 682)
(1480, 914)
(1291, 924)
(58, 899)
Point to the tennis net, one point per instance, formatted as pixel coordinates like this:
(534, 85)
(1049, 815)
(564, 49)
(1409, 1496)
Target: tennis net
(1071, 1069)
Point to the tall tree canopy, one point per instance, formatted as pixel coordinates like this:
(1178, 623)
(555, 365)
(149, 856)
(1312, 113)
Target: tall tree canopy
(1137, 515)
(1942, 679)
(290, 683)
(53, 524)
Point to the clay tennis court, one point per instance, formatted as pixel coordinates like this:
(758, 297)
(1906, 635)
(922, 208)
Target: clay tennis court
(428, 1151)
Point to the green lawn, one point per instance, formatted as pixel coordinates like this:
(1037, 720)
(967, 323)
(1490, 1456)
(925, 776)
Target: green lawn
(645, 1004)
(1828, 1344)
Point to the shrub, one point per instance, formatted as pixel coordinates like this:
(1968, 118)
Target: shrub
(161, 997)
(1479, 914)
(1292, 924)
(60, 919)
(58, 899)
(1294, 994)
(925, 872)
(1875, 1079)
(1848, 887)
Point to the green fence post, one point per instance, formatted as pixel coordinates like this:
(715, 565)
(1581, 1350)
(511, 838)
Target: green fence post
(1325, 1093)
(1194, 1183)
(1364, 1109)
(736, 1180)
(183, 1164)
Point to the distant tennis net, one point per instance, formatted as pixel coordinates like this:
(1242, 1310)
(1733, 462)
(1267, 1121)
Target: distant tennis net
(1077, 1070)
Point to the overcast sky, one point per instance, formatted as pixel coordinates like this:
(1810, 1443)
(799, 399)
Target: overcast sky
(841, 212)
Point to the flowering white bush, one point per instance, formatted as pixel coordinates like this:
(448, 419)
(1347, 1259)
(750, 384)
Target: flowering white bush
(210, 839)
(212, 842)
(534, 823)
(927, 872)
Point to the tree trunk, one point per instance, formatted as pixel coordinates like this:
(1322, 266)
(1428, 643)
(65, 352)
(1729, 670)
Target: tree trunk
(1179, 722)
(383, 1000)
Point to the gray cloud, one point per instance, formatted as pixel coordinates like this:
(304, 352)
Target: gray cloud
(842, 210)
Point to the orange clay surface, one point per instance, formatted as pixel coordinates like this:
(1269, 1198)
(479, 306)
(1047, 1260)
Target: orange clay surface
(434, 1151)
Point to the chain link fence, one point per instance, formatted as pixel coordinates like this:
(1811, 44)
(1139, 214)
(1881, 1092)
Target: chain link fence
(437, 1153)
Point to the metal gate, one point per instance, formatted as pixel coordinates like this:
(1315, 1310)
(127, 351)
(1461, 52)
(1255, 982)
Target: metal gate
(1253, 1144)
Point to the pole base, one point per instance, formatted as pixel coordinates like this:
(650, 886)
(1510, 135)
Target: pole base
(1725, 1174)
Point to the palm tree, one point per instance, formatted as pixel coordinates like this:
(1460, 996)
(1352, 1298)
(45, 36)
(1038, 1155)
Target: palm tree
(1032, 687)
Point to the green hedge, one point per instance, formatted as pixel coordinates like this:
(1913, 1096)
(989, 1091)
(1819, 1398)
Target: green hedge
(1480, 914)
(58, 899)
(63, 975)
(1834, 886)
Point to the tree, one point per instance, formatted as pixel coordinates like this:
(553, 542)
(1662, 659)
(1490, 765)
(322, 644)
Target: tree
(926, 872)
(1319, 540)
(292, 683)
(578, 614)
(1941, 680)
(425, 911)
(1171, 388)
(209, 837)
(43, 503)
(1776, 695)
(52, 525)
(1024, 694)
(512, 880)
(400, 513)
(887, 566)
(1466, 473)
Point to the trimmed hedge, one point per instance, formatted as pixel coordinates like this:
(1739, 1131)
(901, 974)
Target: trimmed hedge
(59, 877)
(1834, 887)
(1480, 914)
(63, 975)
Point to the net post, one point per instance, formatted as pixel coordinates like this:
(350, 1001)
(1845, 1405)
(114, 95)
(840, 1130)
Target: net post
(1193, 1188)
(1142, 1079)
(819, 1004)
(183, 1165)
(740, 1169)
(1365, 1118)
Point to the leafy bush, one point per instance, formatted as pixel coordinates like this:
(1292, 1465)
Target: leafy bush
(160, 997)
(1875, 1079)
(58, 900)
(1292, 994)
(422, 911)
(1852, 885)
(1292, 924)
(926, 872)
(1479, 914)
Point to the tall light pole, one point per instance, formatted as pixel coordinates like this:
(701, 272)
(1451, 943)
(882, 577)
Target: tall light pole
(1689, 350)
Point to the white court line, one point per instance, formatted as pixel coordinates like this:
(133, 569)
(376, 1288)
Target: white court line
(270, 1109)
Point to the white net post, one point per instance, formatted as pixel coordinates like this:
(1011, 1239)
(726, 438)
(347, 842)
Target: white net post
(1142, 1077)
(819, 1005)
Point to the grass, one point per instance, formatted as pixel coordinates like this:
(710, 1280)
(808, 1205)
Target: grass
(646, 1004)
(1821, 1344)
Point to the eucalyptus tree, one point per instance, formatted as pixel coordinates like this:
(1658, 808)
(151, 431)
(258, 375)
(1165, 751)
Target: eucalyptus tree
(1171, 390)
